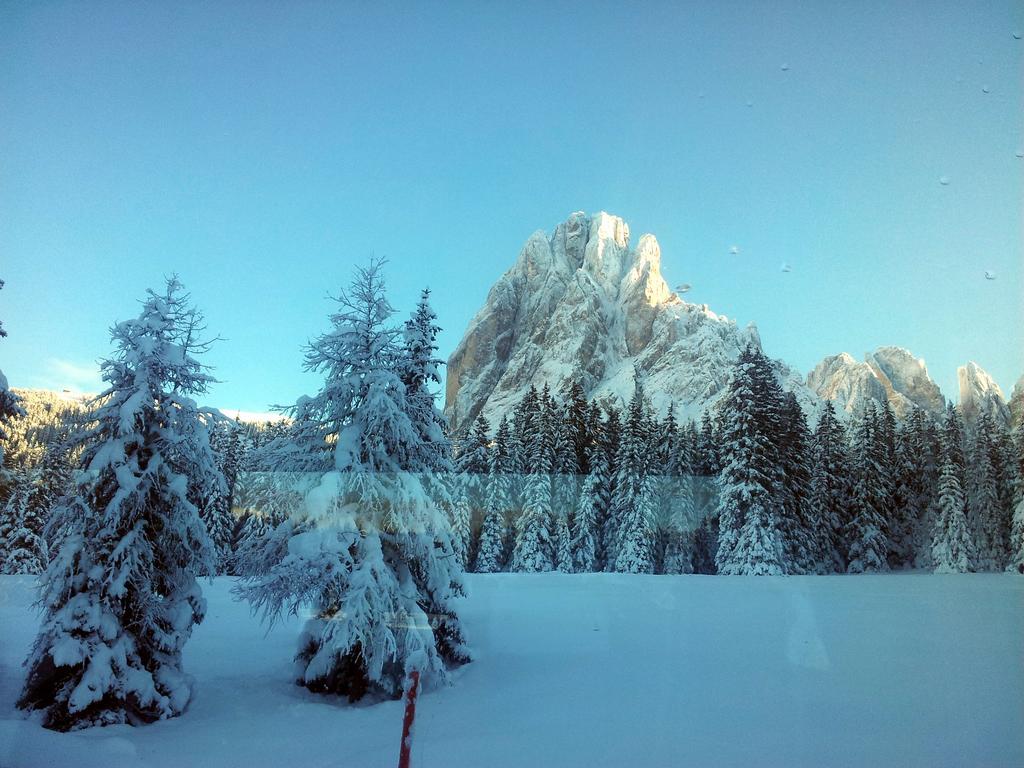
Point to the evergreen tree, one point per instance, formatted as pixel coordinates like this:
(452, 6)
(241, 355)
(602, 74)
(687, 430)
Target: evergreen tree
(1016, 548)
(494, 533)
(535, 535)
(120, 596)
(218, 509)
(749, 540)
(679, 554)
(368, 549)
(595, 498)
(471, 489)
(952, 548)
(796, 527)
(988, 520)
(23, 548)
(829, 493)
(579, 426)
(633, 503)
(866, 541)
(609, 440)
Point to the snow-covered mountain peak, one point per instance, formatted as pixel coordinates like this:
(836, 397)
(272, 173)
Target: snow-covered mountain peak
(979, 394)
(580, 304)
(889, 374)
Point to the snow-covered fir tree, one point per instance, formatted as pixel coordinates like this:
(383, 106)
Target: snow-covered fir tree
(493, 550)
(120, 597)
(470, 491)
(595, 499)
(866, 541)
(829, 494)
(797, 528)
(749, 541)
(952, 547)
(988, 520)
(579, 426)
(535, 541)
(609, 440)
(218, 510)
(565, 485)
(633, 502)
(910, 475)
(1016, 544)
(679, 494)
(22, 547)
(369, 548)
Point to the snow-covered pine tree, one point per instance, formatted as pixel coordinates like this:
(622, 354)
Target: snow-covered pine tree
(952, 547)
(907, 476)
(796, 527)
(829, 494)
(369, 549)
(750, 507)
(535, 542)
(595, 499)
(218, 509)
(421, 373)
(565, 485)
(987, 520)
(681, 516)
(579, 426)
(866, 541)
(1016, 546)
(23, 549)
(493, 551)
(706, 462)
(634, 503)
(470, 491)
(924, 442)
(120, 596)
(610, 439)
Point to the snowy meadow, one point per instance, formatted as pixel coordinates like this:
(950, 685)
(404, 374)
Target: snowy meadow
(605, 670)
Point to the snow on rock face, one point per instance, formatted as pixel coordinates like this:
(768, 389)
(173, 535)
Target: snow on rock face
(580, 304)
(979, 394)
(1017, 403)
(846, 382)
(906, 381)
(888, 374)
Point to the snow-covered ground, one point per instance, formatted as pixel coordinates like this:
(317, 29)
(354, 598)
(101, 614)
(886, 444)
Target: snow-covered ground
(608, 670)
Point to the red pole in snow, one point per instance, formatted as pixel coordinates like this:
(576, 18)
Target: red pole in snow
(410, 715)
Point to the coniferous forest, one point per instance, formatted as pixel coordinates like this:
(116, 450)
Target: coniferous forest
(358, 503)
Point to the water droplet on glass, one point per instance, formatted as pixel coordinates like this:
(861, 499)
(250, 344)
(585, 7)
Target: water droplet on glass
(986, 89)
(1016, 35)
(990, 275)
(785, 67)
(785, 267)
(1020, 153)
(750, 103)
(944, 180)
(734, 250)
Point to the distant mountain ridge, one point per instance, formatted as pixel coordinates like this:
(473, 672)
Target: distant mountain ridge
(580, 303)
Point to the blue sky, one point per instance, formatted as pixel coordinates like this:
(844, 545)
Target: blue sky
(261, 150)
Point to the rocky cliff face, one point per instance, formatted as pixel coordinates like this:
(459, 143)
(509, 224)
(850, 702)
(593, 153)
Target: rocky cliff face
(980, 394)
(579, 303)
(888, 374)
